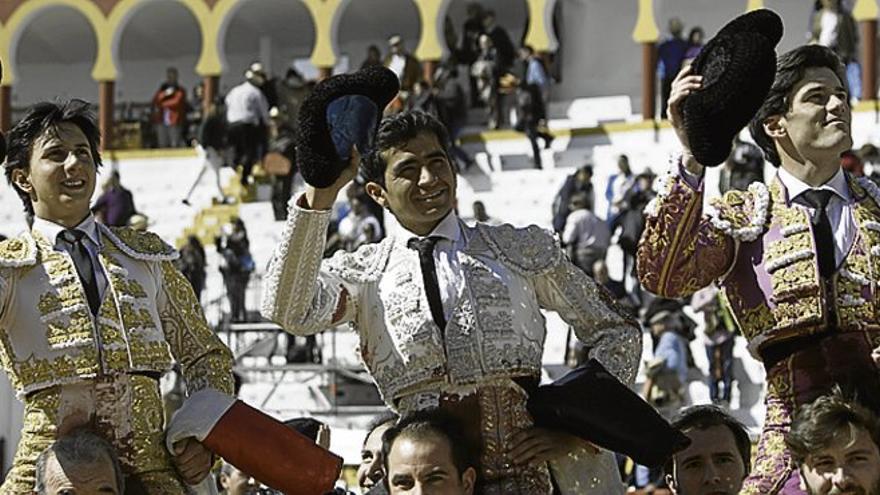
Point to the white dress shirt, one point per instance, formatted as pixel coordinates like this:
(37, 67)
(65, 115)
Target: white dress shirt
(246, 103)
(50, 231)
(449, 273)
(839, 209)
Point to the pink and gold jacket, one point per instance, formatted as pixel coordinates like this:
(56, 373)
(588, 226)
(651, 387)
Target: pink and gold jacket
(759, 248)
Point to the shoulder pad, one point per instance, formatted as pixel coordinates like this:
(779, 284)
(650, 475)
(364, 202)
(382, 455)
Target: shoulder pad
(365, 265)
(529, 251)
(139, 245)
(742, 214)
(18, 251)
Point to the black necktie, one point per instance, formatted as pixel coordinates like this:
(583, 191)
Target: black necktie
(72, 242)
(425, 247)
(817, 199)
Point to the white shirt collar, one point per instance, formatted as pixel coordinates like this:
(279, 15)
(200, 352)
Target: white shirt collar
(448, 229)
(795, 187)
(50, 229)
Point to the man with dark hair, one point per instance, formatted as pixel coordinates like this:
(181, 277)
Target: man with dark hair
(794, 256)
(115, 206)
(718, 458)
(835, 443)
(449, 315)
(80, 462)
(426, 453)
(91, 316)
(169, 107)
(233, 481)
(372, 468)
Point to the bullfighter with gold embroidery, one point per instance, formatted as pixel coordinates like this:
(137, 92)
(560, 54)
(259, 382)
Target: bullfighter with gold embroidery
(449, 315)
(798, 259)
(90, 316)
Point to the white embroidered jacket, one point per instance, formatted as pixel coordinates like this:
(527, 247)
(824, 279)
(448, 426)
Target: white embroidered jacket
(496, 330)
(148, 317)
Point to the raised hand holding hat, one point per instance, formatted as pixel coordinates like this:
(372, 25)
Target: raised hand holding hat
(736, 70)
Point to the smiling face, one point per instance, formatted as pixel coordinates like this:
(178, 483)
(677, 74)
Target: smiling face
(850, 464)
(419, 183)
(711, 465)
(816, 127)
(370, 471)
(60, 178)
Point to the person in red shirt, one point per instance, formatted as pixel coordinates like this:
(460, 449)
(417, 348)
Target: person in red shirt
(169, 105)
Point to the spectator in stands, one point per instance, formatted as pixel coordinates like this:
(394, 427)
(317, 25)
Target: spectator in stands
(211, 149)
(469, 46)
(424, 99)
(870, 161)
(500, 40)
(371, 470)
(359, 227)
(402, 63)
(80, 462)
(233, 481)
(586, 236)
(667, 371)
(192, 263)
(834, 27)
(487, 71)
(578, 182)
(670, 55)
(695, 44)
(617, 186)
(631, 222)
(744, 166)
(374, 57)
(291, 92)
(720, 332)
(603, 278)
(718, 458)
(480, 214)
(850, 162)
(194, 113)
(247, 114)
(531, 102)
(169, 107)
(115, 206)
(236, 265)
(834, 443)
(452, 111)
(426, 453)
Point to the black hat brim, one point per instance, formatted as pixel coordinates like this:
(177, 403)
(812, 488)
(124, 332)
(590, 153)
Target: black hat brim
(738, 67)
(318, 160)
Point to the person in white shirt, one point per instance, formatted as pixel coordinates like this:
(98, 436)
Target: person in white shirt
(586, 236)
(449, 316)
(247, 114)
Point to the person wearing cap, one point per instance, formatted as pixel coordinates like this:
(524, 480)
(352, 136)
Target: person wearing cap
(796, 258)
(402, 63)
(449, 315)
(91, 316)
(247, 114)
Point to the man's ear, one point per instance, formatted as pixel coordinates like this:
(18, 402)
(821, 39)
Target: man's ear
(22, 180)
(377, 193)
(774, 127)
(469, 480)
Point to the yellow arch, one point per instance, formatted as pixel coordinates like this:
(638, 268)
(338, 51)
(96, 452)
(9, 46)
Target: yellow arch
(325, 17)
(754, 5)
(27, 11)
(430, 41)
(865, 10)
(646, 27)
(540, 35)
(123, 11)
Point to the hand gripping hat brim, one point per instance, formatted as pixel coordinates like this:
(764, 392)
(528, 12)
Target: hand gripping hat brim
(738, 67)
(342, 111)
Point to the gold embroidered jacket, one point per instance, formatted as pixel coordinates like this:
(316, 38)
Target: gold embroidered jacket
(761, 250)
(148, 319)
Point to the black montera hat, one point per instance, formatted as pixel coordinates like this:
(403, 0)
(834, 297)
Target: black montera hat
(342, 111)
(738, 66)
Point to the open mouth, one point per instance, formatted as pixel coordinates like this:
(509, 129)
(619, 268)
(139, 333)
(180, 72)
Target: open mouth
(433, 197)
(74, 184)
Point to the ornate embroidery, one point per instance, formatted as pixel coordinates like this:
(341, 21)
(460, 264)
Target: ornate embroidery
(18, 252)
(529, 251)
(734, 221)
(139, 245)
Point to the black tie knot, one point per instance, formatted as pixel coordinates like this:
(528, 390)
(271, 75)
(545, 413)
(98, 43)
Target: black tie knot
(71, 236)
(817, 198)
(424, 245)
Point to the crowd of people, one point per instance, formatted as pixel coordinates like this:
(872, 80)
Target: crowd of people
(450, 313)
